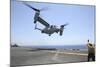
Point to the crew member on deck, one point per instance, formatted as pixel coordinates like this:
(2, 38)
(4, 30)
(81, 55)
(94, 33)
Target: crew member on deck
(91, 51)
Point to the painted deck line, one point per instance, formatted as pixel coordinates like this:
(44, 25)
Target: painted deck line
(81, 54)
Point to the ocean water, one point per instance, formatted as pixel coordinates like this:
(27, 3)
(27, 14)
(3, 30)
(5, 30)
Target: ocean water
(62, 46)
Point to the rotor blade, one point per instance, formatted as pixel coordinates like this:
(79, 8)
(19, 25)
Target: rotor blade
(35, 26)
(64, 25)
(43, 9)
(31, 7)
(38, 29)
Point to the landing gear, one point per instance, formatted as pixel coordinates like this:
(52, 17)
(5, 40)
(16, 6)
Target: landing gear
(49, 34)
(35, 21)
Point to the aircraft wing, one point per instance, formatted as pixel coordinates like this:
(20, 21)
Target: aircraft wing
(43, 22)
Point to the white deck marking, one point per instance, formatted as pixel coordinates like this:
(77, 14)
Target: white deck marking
(82, 54)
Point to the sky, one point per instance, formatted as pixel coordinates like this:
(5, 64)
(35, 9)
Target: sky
(81, 20)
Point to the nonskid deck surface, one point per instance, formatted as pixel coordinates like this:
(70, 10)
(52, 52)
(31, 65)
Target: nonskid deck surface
(28, 56)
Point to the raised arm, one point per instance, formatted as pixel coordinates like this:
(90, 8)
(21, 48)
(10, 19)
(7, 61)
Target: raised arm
(90, 45)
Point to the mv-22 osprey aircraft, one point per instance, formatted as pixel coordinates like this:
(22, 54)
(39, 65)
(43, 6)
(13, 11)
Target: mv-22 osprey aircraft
(49, 29)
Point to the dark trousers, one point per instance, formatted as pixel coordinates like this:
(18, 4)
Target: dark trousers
(91, 56)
